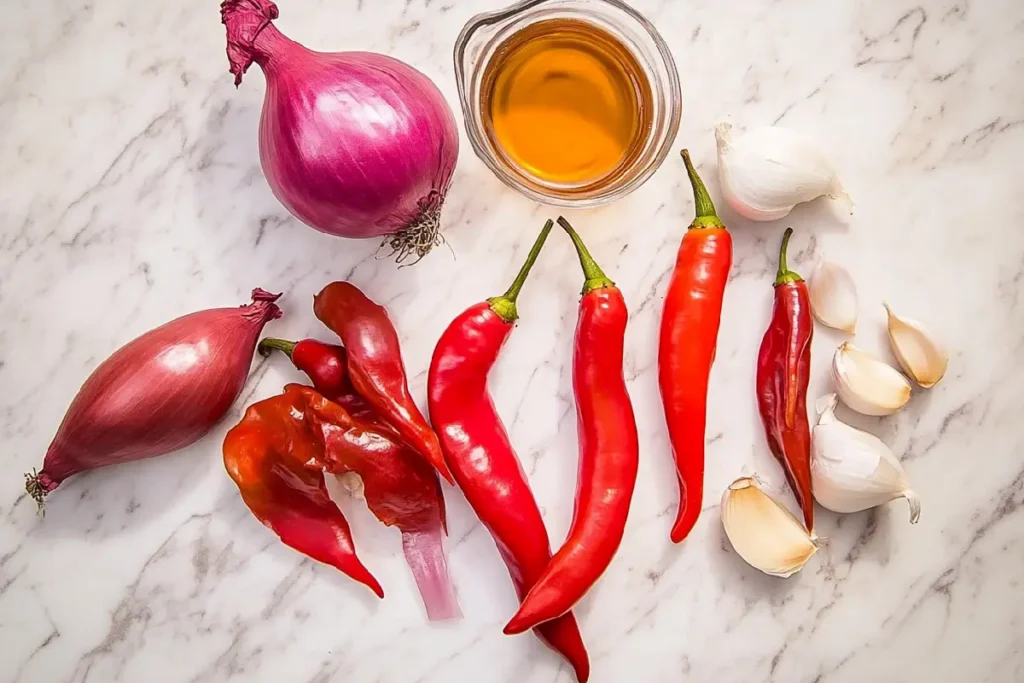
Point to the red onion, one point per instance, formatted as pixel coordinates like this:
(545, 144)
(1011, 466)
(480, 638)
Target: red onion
(158, 393)
(354, 144)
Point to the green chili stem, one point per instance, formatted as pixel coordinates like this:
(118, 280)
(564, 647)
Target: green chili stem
(595, 277)
(266, 346)
(505, 305)
(785, 274)
(706, 215)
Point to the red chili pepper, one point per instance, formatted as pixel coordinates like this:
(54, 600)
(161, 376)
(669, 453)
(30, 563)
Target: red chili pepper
(400, 487)
(609, 451)
(783, 372)
(479, 452)
(689, 334)
(375, 365)
(324, 363)
(278, 467)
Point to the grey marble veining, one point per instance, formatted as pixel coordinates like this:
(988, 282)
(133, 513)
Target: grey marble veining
(131, 193)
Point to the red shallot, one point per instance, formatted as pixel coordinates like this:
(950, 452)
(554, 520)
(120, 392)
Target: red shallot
(158, 393)
(354, 144)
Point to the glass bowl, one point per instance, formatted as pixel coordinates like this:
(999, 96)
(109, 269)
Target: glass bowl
(483, 35)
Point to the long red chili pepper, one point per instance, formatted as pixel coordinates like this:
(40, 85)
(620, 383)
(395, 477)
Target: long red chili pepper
(609, 451)
(375, 365)
(481, 457)
(783, 371)
(689, 334)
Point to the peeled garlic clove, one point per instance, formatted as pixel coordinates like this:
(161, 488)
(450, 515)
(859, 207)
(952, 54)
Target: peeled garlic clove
(767, 171)
(833, 297)
(765, 534)
(852, 470)
(920, 355)
(866, 384)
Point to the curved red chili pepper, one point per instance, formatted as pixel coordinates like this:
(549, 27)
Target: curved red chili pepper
(278, 467)
(375, 365)
(326, 364)
(783, 373)
(609, 451)
(481, 457)
(689, 334)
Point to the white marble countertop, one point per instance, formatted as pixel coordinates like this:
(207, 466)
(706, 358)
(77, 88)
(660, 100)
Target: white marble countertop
(131, 193)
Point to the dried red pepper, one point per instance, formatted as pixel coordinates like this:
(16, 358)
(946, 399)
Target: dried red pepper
(278, 456)
(689, 335)
(277, 463)
(783, 372)
(609, 451)
(375, 365)
(481, 457)
(326, 364)
(400, 487)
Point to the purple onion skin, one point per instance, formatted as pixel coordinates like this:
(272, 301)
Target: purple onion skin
(158, 393)
(354, 144)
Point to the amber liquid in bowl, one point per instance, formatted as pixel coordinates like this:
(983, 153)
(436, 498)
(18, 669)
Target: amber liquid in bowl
(566, 103)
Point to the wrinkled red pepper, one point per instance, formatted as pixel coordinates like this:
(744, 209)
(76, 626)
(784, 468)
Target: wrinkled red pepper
(375, 365)
(400, 487)
(277, 463)
(286, 444)
(609, 451)
(481, 457)
(783, 373)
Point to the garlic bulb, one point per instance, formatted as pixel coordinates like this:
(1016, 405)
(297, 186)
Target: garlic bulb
(833, 297)
(866, 384)
(920, 355)
(765, 534)
(765, 172)
(852, 470)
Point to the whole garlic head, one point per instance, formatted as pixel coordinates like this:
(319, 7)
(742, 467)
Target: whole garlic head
(767, 171)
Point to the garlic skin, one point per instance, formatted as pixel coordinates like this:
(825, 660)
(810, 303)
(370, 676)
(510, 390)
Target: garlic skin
(833, 297)
(852, 470)
(866, 384)
(765, 534)
(767, 171)
(920, 355)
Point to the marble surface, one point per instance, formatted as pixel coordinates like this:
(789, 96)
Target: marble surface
(131, 193)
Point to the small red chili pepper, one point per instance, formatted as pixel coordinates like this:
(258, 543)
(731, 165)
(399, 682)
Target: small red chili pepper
(278, 467)
(783, 372)
(326, 364)
(609, 451)
(481, 457)
(375, 365)
(689, 334)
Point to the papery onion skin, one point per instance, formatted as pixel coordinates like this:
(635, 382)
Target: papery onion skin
(354, 144)
(158, 393)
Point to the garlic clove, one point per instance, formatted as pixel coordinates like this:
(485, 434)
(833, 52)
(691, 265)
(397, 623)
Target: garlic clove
(833, 297)
(866, 384)
(765, 172)
(919, 353)
(765, 534)
(852, 470)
